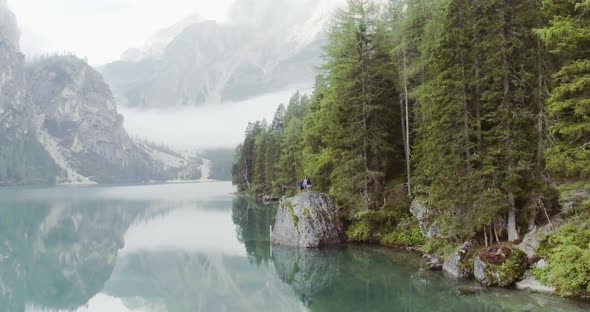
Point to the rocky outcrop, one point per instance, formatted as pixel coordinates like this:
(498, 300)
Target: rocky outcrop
(433, 262)
(307, 220)
(23, 160)
(499, 266)
(530, 283)
(530, 242)
(13, 102)
(422, 213)
(9, 32)
(78, 123)
(460, 263)
(571, 199)
(59, 123)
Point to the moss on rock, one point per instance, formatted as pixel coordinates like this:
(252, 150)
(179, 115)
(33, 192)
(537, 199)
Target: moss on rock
(500, 266)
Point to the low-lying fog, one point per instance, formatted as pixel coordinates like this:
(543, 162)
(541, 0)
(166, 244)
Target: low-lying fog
(204, 127)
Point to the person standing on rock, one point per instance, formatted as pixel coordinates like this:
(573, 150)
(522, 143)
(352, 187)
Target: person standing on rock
(308, 184)
(302, 185)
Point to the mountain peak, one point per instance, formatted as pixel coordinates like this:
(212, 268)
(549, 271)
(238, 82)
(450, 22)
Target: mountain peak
(9, 31)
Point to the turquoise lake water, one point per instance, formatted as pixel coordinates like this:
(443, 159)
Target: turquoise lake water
(197, 247)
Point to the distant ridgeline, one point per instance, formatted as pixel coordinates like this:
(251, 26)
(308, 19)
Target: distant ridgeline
(262, 48)
(480, 110)
(59, 124)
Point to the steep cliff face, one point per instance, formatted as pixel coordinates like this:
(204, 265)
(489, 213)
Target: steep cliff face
(59, 123)
(208, 62)
(13, 110)
(22, 159)
(78, 123)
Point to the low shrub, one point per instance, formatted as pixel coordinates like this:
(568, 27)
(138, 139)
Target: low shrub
(568, 254)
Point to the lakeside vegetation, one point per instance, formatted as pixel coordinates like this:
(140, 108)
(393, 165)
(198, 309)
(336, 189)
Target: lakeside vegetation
(478, 109)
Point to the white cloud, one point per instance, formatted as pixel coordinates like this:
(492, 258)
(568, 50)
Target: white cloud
(210, 126)
(102, 30)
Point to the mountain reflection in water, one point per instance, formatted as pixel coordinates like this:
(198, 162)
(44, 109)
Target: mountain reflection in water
(197, 247)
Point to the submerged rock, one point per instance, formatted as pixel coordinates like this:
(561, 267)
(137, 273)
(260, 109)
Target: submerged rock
(530, 283)
(433, 262)
(460, 264)
(499, 266)
(307, 220)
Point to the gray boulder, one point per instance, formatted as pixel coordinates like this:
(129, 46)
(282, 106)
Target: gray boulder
(307, 220)
(433, 262)
(422, 213)
(499, 266)
(530, 283)
(571, 200)
(460, 264)
(530, 242)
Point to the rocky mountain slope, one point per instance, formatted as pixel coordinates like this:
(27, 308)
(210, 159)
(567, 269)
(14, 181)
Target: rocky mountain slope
(59, 123)
(196, 61)
(22, 159)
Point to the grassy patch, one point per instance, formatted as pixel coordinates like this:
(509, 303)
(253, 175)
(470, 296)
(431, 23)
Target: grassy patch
(294, 217)
(439, 247)
(307, 213)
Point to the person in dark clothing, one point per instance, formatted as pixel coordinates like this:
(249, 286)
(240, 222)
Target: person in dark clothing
(302, 185)
(308, 185)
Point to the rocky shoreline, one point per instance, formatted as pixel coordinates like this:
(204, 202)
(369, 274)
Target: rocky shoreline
(310, 220)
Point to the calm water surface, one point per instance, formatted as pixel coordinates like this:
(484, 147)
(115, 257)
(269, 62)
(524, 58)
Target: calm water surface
(196, 247)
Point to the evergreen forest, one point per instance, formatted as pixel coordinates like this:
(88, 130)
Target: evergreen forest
(478, 110)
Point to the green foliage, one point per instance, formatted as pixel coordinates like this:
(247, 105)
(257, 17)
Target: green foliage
(568, 36)
(439, 247)
(388, 227)
(269, 161)
(371, 226)
(511, 269)
(494, 93)
(568, 254)
(407, 233)
(294, 217)
(25, 161)
(222, 161)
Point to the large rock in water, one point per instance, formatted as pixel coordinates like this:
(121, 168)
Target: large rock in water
(460, 264)
(499, 266)
(307, 220)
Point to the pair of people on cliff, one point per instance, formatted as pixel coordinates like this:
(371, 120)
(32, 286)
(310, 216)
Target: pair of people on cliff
(305, 185)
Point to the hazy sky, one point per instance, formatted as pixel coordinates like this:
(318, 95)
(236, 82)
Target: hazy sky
(102, 29)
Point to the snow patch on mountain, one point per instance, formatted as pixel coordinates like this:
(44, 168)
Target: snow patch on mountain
(69, 175)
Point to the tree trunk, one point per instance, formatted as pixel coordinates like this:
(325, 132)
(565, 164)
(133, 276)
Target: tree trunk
(512, 233)
(496, 232)
(407, 128)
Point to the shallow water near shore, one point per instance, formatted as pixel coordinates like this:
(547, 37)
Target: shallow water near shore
(198, 247)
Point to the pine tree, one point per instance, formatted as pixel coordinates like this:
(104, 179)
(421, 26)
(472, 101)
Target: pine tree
(359, 73)
(568, 37)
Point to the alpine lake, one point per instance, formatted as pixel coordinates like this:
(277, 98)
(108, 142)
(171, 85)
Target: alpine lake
(199, 247)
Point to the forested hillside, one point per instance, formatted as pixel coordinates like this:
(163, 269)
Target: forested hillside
(478, 110)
